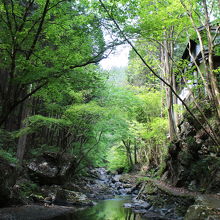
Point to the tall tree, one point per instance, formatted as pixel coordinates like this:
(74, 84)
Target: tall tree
(41, 41)
(200, 14)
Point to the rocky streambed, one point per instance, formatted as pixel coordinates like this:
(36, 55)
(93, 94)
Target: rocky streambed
(47, 191)
(100, 195)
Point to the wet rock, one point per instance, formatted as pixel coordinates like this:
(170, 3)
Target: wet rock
(116, 178)
(50, 191)
(59, 196)
(103, 197)
(138, 205)
(67, 197)
(197, 212)
(100, 174)
(166, 212)
(118, 185)
(73, 187)
(186, 129)
(205, 208)
(127, 185)
(112, 185)
(122, 191)
(139, 211)
(127, 205)
(141, 204)
(36, 212)
(156, 216)
(51, 168)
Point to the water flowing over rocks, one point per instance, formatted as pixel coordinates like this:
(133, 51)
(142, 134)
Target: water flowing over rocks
(137, 204)
(108, 185)
(151, 210)
(149, 198)
(101, 184)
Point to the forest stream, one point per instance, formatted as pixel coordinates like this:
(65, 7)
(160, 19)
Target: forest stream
(110, 209)
(103, 195)
(111, 197)
(110, 110)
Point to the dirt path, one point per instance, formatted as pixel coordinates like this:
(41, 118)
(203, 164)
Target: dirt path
(210, 200)
(181, 191)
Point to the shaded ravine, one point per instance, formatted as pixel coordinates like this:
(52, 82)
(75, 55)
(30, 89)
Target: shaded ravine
(118, 207)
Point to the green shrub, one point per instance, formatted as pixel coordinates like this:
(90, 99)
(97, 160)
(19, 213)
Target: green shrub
(7, 139)
(28, 188)
(205, 169)
(9, 156)
(43, 148)
(117, 159)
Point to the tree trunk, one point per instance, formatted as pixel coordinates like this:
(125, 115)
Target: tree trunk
(128, 150)
(21, 146)
(169, 95)
(213, 90)
(135, 153)
(212, 76)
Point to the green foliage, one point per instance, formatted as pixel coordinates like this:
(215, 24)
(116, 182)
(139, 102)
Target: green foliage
(9, 156)
(144, 179)
(28, 188)
(205, 169)
(76, 111)
(82, 32)
(117, 159)
(122, 99)
(155, 136)
(138, 74)
(38, 121)
(151, 105)
(136, 120)
(7, 140)
(157, 130)
(44, 148)
(89, 112)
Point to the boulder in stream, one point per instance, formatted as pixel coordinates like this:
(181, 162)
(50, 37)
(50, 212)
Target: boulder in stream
(137, 204)
(51, 168)
(67, 197)
(116, 178)
(57, 195)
